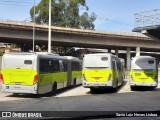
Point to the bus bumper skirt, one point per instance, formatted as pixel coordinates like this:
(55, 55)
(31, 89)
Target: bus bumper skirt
(143, 84)
(19, 89)
(97, 84)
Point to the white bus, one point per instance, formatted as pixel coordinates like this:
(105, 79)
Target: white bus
(144, 72)
(37, 73)
(102, 71)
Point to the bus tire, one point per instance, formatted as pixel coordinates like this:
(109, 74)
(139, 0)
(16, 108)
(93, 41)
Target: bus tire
(54, 88)
(115, 89)
(132, 88)
(74, 82)
(15, 94)
(93, 90)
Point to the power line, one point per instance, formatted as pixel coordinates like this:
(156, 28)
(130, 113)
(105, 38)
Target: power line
(16, 2)
(115, 21)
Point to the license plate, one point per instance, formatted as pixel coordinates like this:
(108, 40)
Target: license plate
(96, 84)
(143, 78)
(17, 87)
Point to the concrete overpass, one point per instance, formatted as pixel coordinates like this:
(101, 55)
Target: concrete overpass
(17, 32)
(20, 33)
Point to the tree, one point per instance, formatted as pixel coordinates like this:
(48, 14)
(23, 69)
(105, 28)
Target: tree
(65, 13)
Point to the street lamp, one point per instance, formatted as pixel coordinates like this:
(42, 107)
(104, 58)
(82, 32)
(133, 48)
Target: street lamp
(49, 28)
(34, 27)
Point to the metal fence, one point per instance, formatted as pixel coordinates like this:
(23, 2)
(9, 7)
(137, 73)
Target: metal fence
(148, 18)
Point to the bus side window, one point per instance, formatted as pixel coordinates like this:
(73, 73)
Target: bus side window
(61, 66)
(56, 66)
(73, 66)
(43, 65)
(113, 65)
(65, 66)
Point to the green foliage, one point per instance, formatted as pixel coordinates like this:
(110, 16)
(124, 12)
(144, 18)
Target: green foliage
(65, 13)
(1, 53)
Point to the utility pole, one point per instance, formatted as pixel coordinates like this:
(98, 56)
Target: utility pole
(34, 27)
(49, 30)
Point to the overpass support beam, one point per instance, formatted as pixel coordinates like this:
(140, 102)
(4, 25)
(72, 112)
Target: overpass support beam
(128, 58)
(138, 51)
(116, 52)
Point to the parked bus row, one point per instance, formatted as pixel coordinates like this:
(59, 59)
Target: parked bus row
(38, 73)
(107, 70)
(102, 71)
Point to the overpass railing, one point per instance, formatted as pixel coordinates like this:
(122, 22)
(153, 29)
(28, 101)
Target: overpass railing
(147, 19)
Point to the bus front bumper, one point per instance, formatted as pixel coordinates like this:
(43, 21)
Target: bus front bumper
(19, 89)
(132, 83)
(97, 84)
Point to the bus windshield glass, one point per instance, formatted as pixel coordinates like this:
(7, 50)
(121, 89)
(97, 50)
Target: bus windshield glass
(18, 62)
(96, 62)
(144, 64)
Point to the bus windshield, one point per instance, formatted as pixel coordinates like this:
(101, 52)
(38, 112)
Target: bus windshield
(18, 62)
(144, 64)
(98, 62)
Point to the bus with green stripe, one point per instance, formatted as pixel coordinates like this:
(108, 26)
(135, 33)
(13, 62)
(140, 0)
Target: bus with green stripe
(144, 72)
(38, 73)
(102, 70)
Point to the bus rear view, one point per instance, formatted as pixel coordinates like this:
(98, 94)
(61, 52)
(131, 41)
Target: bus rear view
(144, 72)
(18, 74)
(101, 71)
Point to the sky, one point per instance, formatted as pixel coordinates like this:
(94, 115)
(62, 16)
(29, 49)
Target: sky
(112, 15)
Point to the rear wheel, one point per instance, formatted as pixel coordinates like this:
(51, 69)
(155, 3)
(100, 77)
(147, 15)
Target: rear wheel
(93, 90)
(116, 87)
(15, 94)
(132, 88)
(153, 87)
(74, 82)
(54, 88)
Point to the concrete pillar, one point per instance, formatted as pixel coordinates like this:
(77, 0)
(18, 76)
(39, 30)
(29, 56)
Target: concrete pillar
(116, 52)
(128, 59)
(109, 50)
(138, 51)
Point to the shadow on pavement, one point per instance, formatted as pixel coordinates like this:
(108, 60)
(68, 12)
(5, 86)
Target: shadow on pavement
(144, 88)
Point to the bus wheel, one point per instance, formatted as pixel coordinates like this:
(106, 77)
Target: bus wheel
(93, 90)
(74, 82)
(116, 88)
(153, 87)
(15, 94)
(54, 88)
(132, 88)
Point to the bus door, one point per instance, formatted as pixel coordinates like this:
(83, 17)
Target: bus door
(115, 70)
(61, 70)
(157, 63)
(69, 73)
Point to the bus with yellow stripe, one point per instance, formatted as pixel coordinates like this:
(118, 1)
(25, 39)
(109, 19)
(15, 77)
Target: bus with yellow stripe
(144, 72)
(38, 73)
(102, 71)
